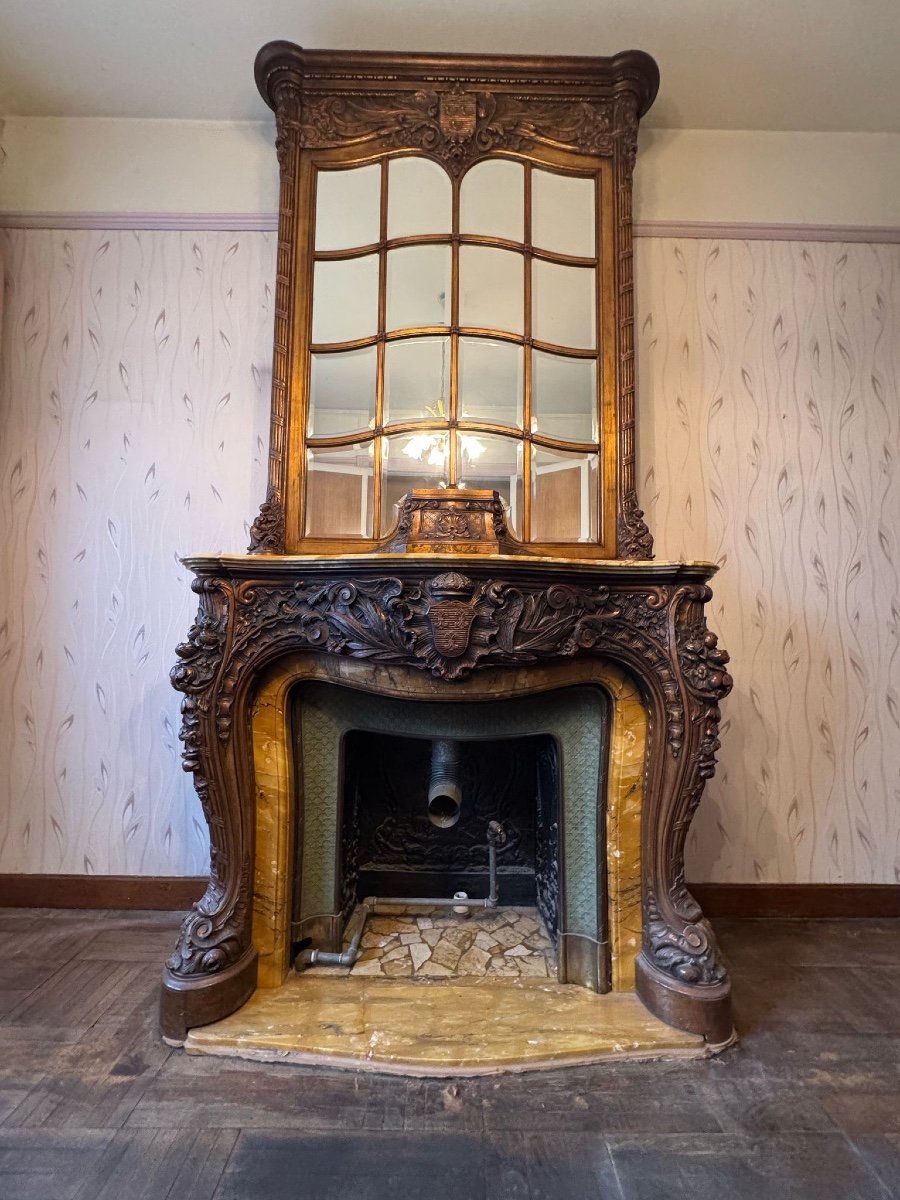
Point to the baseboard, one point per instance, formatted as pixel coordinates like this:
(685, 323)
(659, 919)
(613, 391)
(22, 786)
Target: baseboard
(100, 891)
(716, 899)
(798, 899)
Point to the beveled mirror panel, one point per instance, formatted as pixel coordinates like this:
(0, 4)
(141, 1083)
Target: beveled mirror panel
(565, 305)
(564, 213)
(347, 208)
(418, 286)
(416, 379)
(342, 392)
(492, 200)
(491, 289)
(491, 381)
(345, 299)
(564, 397)
(420, 198)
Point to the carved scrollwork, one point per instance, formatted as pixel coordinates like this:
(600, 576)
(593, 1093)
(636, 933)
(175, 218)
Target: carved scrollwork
(267, 531)
(635, 539)
(703, 662)
(212, 936)
(457, 126)
(201, 654)
(688, 952)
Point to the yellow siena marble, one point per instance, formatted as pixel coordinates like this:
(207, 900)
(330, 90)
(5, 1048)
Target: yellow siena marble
(454, 1027)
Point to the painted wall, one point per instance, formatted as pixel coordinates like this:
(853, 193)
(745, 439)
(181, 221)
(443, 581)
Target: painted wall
(134, 393)
(74, 165)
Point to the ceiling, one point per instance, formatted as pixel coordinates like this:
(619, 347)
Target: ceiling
(754, 64)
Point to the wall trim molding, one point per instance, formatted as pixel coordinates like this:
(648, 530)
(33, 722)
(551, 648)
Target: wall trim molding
(267, 222)
(762, 232)
(176, 892)
(798, 899)
(175, 221)
(100, 891)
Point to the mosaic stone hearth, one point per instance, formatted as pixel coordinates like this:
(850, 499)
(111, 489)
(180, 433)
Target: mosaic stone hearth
(434, 943)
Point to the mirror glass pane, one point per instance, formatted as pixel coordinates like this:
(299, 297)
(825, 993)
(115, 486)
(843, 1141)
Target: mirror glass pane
(564, 396)
(419, 198)
(345, 299)
(564, 305)
(563, 497)
(418, 460)
(487, 460)
(418, 286)
(342, 392)
(490, 381)
(348, 207)
(492, 199)
(491, 288)
(562, 213)
(416, 379)
(339, 491)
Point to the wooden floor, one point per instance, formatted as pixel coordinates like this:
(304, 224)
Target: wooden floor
(94, 1107)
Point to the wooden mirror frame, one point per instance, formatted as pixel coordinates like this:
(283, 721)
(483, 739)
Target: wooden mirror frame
(355, 107)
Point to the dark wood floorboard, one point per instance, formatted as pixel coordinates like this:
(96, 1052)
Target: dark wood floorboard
(93, 1106)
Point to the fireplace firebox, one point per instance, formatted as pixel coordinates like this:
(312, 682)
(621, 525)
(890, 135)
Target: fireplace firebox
(448, 663)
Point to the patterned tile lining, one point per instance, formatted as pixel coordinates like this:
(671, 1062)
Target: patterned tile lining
(434, 943)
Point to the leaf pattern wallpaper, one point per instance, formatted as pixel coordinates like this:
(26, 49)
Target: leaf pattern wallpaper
(136, 370)
(134, 387)
(770, 443)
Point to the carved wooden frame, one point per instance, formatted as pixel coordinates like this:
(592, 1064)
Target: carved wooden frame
(457, 109)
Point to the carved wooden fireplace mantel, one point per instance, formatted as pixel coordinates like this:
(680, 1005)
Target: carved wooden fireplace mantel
(485, 531)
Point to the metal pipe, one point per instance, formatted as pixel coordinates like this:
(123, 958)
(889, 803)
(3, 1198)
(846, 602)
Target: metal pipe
(444, 791)
(495, 837)
(332, 958)
(346, 958)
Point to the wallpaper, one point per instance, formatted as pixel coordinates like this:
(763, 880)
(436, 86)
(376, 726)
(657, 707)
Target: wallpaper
(134, 384)
(135, 379)
(770, 443)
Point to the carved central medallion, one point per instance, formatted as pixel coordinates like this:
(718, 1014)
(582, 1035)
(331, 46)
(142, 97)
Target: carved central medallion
(451, 622)
(457, 115)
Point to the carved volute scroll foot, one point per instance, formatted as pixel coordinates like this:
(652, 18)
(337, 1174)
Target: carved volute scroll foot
(199, 1000)
(703, 1008)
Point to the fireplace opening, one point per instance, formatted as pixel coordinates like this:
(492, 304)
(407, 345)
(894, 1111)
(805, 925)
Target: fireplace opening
(401, 808)
(417, 812)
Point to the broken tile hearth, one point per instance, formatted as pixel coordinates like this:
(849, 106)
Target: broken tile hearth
(435, 943)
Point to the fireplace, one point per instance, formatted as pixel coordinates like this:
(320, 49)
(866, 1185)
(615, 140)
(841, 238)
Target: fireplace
(448, 662)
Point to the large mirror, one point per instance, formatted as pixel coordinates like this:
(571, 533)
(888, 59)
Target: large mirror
(455, 342)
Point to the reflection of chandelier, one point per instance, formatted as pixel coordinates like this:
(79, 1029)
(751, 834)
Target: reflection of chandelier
(434, 448)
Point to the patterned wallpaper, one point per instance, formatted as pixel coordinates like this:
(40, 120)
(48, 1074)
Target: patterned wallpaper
(770, 443)
(135, 375)
(135, 379)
